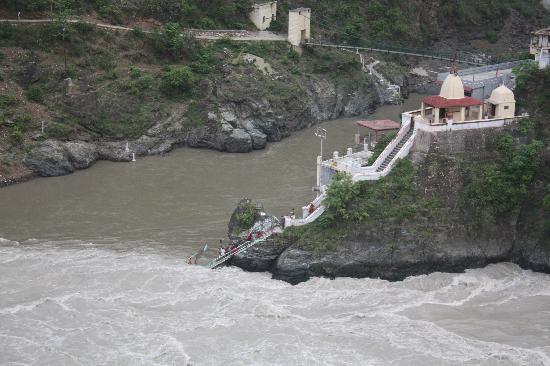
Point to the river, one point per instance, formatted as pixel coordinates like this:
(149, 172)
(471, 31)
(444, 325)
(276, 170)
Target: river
(92, 272)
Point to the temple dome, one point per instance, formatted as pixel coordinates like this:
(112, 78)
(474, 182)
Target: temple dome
(452, 87)
(502, 94)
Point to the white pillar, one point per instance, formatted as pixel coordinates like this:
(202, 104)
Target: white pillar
(436, 115)
(462, 114)
(319, 162)
(422, 110)
(480, 112)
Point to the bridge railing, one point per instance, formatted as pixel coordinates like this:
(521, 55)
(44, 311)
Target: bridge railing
(442, 54)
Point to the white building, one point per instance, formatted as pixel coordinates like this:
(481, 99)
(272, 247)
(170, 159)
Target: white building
(540, 46)
(263, 13)
(299, 22)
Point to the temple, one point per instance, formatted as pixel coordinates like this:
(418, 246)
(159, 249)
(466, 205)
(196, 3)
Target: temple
(453, 109)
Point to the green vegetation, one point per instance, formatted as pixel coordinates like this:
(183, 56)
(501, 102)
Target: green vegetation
(380, 146)
(245, 217)
(177, 81)
(393, 196)
(363, 204)
(36, 94)
(498, 188)
(7, 100)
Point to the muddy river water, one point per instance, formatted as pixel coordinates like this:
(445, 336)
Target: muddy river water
(92, 273)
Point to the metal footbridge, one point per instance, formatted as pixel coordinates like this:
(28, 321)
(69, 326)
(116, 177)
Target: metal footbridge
(240, 249)
(451, 56)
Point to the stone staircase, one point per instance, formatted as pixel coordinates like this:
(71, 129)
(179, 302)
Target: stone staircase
(395, 150)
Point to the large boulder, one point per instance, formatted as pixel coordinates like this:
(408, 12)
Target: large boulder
(249, 217)
(114, 151)
(239, 141)
(81, 154)
(49, 159)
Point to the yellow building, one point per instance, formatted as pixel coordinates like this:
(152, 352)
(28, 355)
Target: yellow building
(501, 104)
(299, 21)
(263, 13)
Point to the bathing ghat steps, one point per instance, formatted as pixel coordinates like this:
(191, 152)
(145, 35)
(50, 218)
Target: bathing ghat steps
(395, 150)
(241, 248)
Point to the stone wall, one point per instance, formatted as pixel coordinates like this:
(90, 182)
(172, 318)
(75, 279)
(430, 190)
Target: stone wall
(263, 13)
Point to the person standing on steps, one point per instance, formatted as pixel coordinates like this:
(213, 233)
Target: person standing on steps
(311, 208)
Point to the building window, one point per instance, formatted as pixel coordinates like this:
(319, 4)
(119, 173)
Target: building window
(506, 107)
(264, 20)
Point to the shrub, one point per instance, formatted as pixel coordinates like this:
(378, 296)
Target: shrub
(105, 62)
(491, 36)
(340, 193)
(138, 32)
(7, 100)
(23, 121)
(174, 42)
(17, 134)
(178, 80)
(110, 13)
(245, 218)
(7, 31)
(134, 72)
(35, 94)
(276, 26)
(138, 83)
(499, 187)
(58, 130)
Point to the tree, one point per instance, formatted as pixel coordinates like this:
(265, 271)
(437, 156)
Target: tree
(61, 12)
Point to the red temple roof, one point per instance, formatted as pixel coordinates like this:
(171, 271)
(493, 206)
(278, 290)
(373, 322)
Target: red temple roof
(380, 124)
(440, 102)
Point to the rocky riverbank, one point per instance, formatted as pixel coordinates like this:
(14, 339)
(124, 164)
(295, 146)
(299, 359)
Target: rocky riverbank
(438, 234)
(234, 126)
(243, 103)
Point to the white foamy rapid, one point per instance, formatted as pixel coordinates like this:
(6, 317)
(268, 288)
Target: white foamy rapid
(76, 304)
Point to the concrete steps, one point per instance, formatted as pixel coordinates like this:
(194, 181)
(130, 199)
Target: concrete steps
(395, 150)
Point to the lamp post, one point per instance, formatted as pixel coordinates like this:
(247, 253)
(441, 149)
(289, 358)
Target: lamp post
(321, 133)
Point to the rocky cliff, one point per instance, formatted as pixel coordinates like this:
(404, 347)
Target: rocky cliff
(114, 104)
(424, 230)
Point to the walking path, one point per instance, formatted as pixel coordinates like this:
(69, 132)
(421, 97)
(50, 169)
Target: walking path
(387, 92)
(351, 163)
(234, 35)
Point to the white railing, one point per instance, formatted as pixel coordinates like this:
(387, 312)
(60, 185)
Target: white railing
(241, 248)
(467, 125)
(308, 217)
(403, 152)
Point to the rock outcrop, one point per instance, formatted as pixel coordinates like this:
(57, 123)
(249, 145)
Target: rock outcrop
(234, 126)
(395, 248)
(52, 158)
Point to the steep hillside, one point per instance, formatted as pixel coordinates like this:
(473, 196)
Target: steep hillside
(497, 26)
(102, 88)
